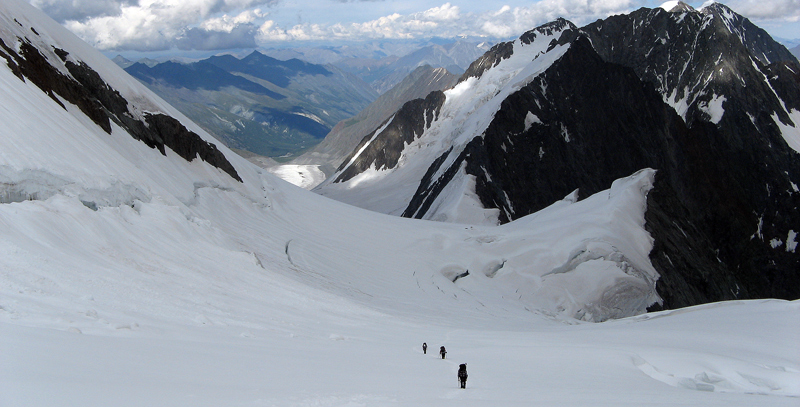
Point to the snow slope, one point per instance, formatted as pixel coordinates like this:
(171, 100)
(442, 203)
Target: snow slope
(674, 359)
(128, 277)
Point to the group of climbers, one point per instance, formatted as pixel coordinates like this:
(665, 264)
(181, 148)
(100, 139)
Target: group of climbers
(462, 368)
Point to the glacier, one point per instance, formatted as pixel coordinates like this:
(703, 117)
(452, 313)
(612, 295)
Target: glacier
(129, 277)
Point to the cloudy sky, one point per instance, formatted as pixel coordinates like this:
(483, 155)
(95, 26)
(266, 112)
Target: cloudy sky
(159, 25)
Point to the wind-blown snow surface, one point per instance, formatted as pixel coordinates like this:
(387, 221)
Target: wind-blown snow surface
(132, 278)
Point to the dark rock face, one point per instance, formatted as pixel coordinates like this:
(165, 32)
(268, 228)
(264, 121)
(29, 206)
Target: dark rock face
(756, 40)
(589, 129)
(702, 210)
(695, 56)
(736, 193)
(430, 188)
(584, 133)
(31, 64)
(384, 151)
(102, 105)
(166, 131)
(725, 200)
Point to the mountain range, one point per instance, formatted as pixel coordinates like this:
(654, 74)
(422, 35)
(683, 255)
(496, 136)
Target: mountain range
(384, 73)
(257, 103)
(795, 51)
(704, 97)
(281, 107)
(384, 64)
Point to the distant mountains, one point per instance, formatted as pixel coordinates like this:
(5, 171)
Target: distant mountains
(384, 64)
(795, 51)
(279, 103)
(258, 103)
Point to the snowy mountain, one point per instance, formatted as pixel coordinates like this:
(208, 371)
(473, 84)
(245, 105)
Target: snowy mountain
(315, 165)
(141, 264)
(704, 97)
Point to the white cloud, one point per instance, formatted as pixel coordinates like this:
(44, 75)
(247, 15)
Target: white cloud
(61, 10)
(162, 24)
(502, 10)
(147, 25)
(784, 10)
(270, 32)
(444, 13)
(448, 21)
(240, 36)
(226, 23)
(496, 30)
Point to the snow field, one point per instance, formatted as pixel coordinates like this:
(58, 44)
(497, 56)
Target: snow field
(128, 278)
(155, 305)
(379, 362)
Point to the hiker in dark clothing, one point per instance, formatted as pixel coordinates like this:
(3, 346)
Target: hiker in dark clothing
(442, 351)
(462, 375)
(424, 348)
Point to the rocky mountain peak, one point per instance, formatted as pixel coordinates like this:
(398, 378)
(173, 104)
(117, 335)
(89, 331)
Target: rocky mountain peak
(504, 50)
(716, 8)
